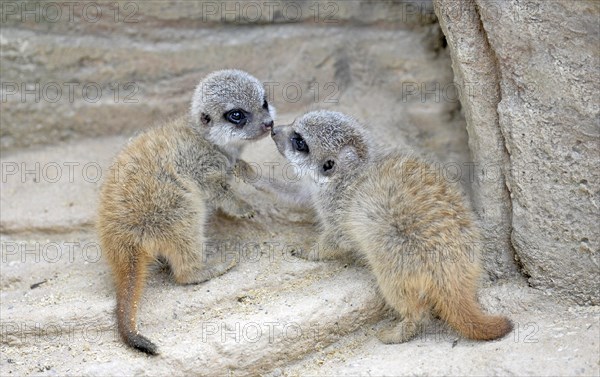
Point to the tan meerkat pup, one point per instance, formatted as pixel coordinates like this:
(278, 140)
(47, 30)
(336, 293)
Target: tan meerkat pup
(166, 181)
(392, 211)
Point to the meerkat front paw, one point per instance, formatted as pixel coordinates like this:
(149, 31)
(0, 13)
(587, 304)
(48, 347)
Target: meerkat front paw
(248, 215)
(245, 211)
(236, 207)
(311, 254)
(244, 171)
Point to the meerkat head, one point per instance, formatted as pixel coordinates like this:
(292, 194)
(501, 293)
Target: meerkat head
(231, 107)
(323, 144)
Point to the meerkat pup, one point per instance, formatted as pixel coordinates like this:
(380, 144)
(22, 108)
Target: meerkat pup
(411, 227)
(165, 182)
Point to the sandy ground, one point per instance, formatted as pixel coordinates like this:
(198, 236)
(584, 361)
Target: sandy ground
(272, 314)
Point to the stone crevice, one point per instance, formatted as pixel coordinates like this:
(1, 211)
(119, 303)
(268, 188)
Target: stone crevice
(476, 72)
(502, 139)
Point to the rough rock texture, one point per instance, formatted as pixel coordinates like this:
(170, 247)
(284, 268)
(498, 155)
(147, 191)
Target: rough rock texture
(477, 79)
(137, 64)
(273, 314)
(544, 58)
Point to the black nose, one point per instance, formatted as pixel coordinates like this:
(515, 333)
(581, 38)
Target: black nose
(269, 124)
(273, 132)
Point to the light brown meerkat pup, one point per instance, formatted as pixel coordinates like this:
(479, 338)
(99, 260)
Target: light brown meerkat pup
(166, 181)
(393, 211)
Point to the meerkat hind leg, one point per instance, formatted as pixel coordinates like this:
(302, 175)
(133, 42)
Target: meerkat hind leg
(327, 248)
(191, 258)
(413, 309)
(215, 264)
(404, 330)
(193, 262)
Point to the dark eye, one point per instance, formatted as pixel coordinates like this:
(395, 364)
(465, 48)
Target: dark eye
(299, 144)
(236, 117)
(265, 105)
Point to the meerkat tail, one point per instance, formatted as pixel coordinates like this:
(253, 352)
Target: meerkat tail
(130, 279)
(464, 314)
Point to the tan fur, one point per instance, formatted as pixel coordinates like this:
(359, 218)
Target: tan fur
(398, 214)
(163, 185)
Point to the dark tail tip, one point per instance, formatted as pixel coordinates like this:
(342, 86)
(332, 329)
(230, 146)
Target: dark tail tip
(502, 327)
(508, 326)
(141, 343)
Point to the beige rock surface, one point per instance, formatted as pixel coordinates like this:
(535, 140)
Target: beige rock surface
(476, 78)
(533, 111)
(274, 314)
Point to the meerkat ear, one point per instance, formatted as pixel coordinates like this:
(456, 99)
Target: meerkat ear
(349, 155)
(205, 119)
(328, 167)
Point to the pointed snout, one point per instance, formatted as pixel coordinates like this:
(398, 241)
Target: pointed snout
(268, 125)
(275, 130)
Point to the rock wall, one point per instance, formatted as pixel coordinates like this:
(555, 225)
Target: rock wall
(87, 69)
(531, 74)
(477, 79)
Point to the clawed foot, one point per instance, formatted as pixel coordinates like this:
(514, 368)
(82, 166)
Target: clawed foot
(239, 208)
(207, 272)
(398, 333)
(248, 215)
(308, 254)
(243, 170)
